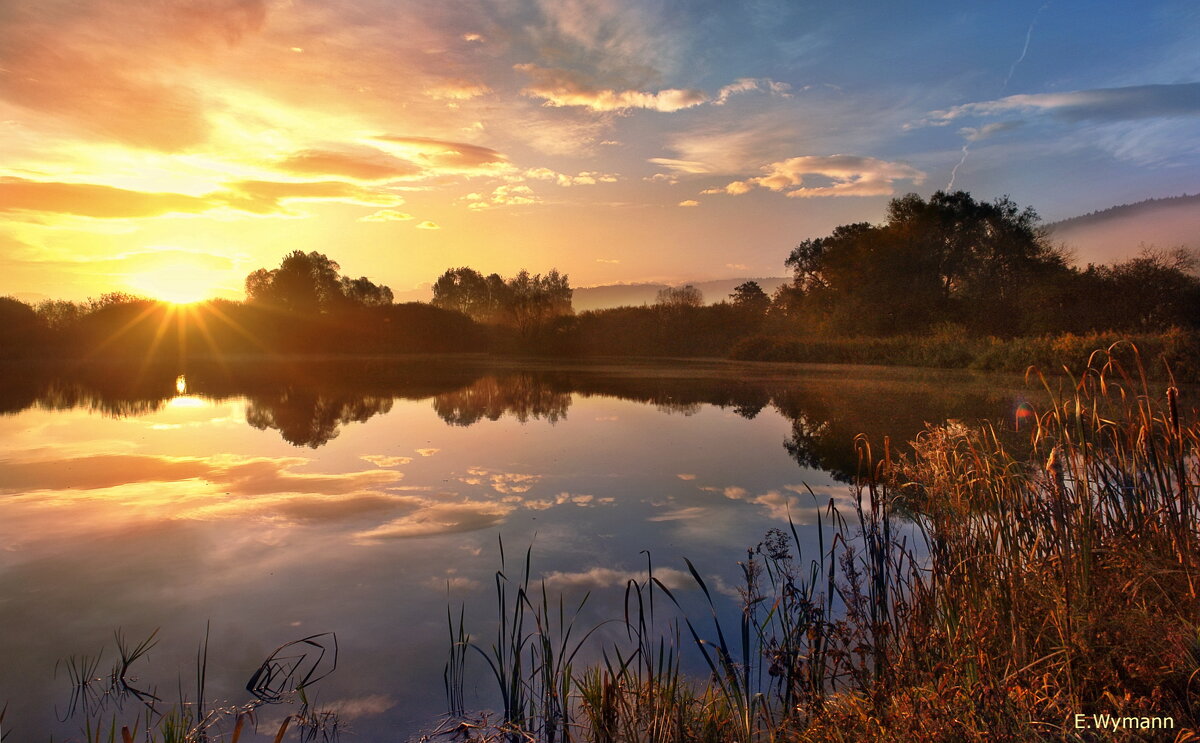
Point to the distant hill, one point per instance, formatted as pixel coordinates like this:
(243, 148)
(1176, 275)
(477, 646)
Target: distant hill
(1120, 232)
(623, 295)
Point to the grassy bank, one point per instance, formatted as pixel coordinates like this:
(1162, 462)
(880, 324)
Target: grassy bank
(1043, 596)
(951, 348)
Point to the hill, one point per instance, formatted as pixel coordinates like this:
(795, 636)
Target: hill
(622, 295)
(1120, 232)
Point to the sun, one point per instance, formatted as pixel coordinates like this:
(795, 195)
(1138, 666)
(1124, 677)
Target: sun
(179, 282)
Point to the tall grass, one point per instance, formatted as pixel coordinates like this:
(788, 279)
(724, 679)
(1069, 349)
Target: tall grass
(950, 347)
(984, 588)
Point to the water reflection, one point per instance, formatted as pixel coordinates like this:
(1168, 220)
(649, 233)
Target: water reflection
(523, 396)
(310, 403)
(285, 499)
(305, 417)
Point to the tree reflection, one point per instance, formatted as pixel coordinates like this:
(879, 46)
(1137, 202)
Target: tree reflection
(309, 401)
(522, 396)
(305, 417)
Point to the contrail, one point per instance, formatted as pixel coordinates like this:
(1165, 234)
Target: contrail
(966, 150)
(1025, 50)
(954, 173)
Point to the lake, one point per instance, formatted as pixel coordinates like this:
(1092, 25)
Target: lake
(262, 502)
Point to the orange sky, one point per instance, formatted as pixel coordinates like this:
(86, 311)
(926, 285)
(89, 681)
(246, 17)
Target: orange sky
(170, 148)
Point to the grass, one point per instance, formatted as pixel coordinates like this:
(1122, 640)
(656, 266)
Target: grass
(950, 347)
(979, 591)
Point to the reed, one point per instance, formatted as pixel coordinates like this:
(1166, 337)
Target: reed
(987, 586)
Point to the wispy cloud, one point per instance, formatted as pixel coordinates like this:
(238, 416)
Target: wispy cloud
(1101, 104)
(980, 133)
(600, 577)
(848, 175)
(749, 84)
(566, 88)
(364, 165)
(387, 215)
(561, 87)
(440, 518)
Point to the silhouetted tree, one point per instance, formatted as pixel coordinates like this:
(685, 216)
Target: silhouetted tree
(363, 292)
(309, 284)
(533, 301)
(947, 259)
(20, 327)
(465, 290)
(680, 296)
(750, 297)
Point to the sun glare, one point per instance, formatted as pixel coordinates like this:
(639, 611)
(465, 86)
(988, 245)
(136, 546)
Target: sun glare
(178, 284)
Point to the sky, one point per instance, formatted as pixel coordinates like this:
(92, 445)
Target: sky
(170, 148)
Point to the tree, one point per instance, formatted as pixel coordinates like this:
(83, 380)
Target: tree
(680, 296)
(950, 258)
(309, 284)
(20, 327)
(363, 292)
(749, 297)
(534, 300)
(467, 291)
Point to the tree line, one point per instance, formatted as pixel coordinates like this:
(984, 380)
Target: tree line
(950, 266)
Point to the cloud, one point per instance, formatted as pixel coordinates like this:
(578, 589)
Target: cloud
(268, 197)
(599, 577)
(847, 175)
(383, 460)
(428, 225)
(457, 90)
(680, 166)
(260, 198)
(581, 500)
(558, 87)
(585, 178)
(507, 195)
(689, 202)
(749, 84)
(779, 505)
(441, 518)
(367, 165)
(238, 476)
(96, 201)
(387, 215)
(444, 154)
(1101, 104)
(349, 709)
(681, 514)
(107, 68)
(978, 134)
(502, 482)
(736, 188)
(453, 583)
(608, 260)
(308, 508)
(427, 452)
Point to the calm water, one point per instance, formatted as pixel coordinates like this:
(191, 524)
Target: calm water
(270, 502)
